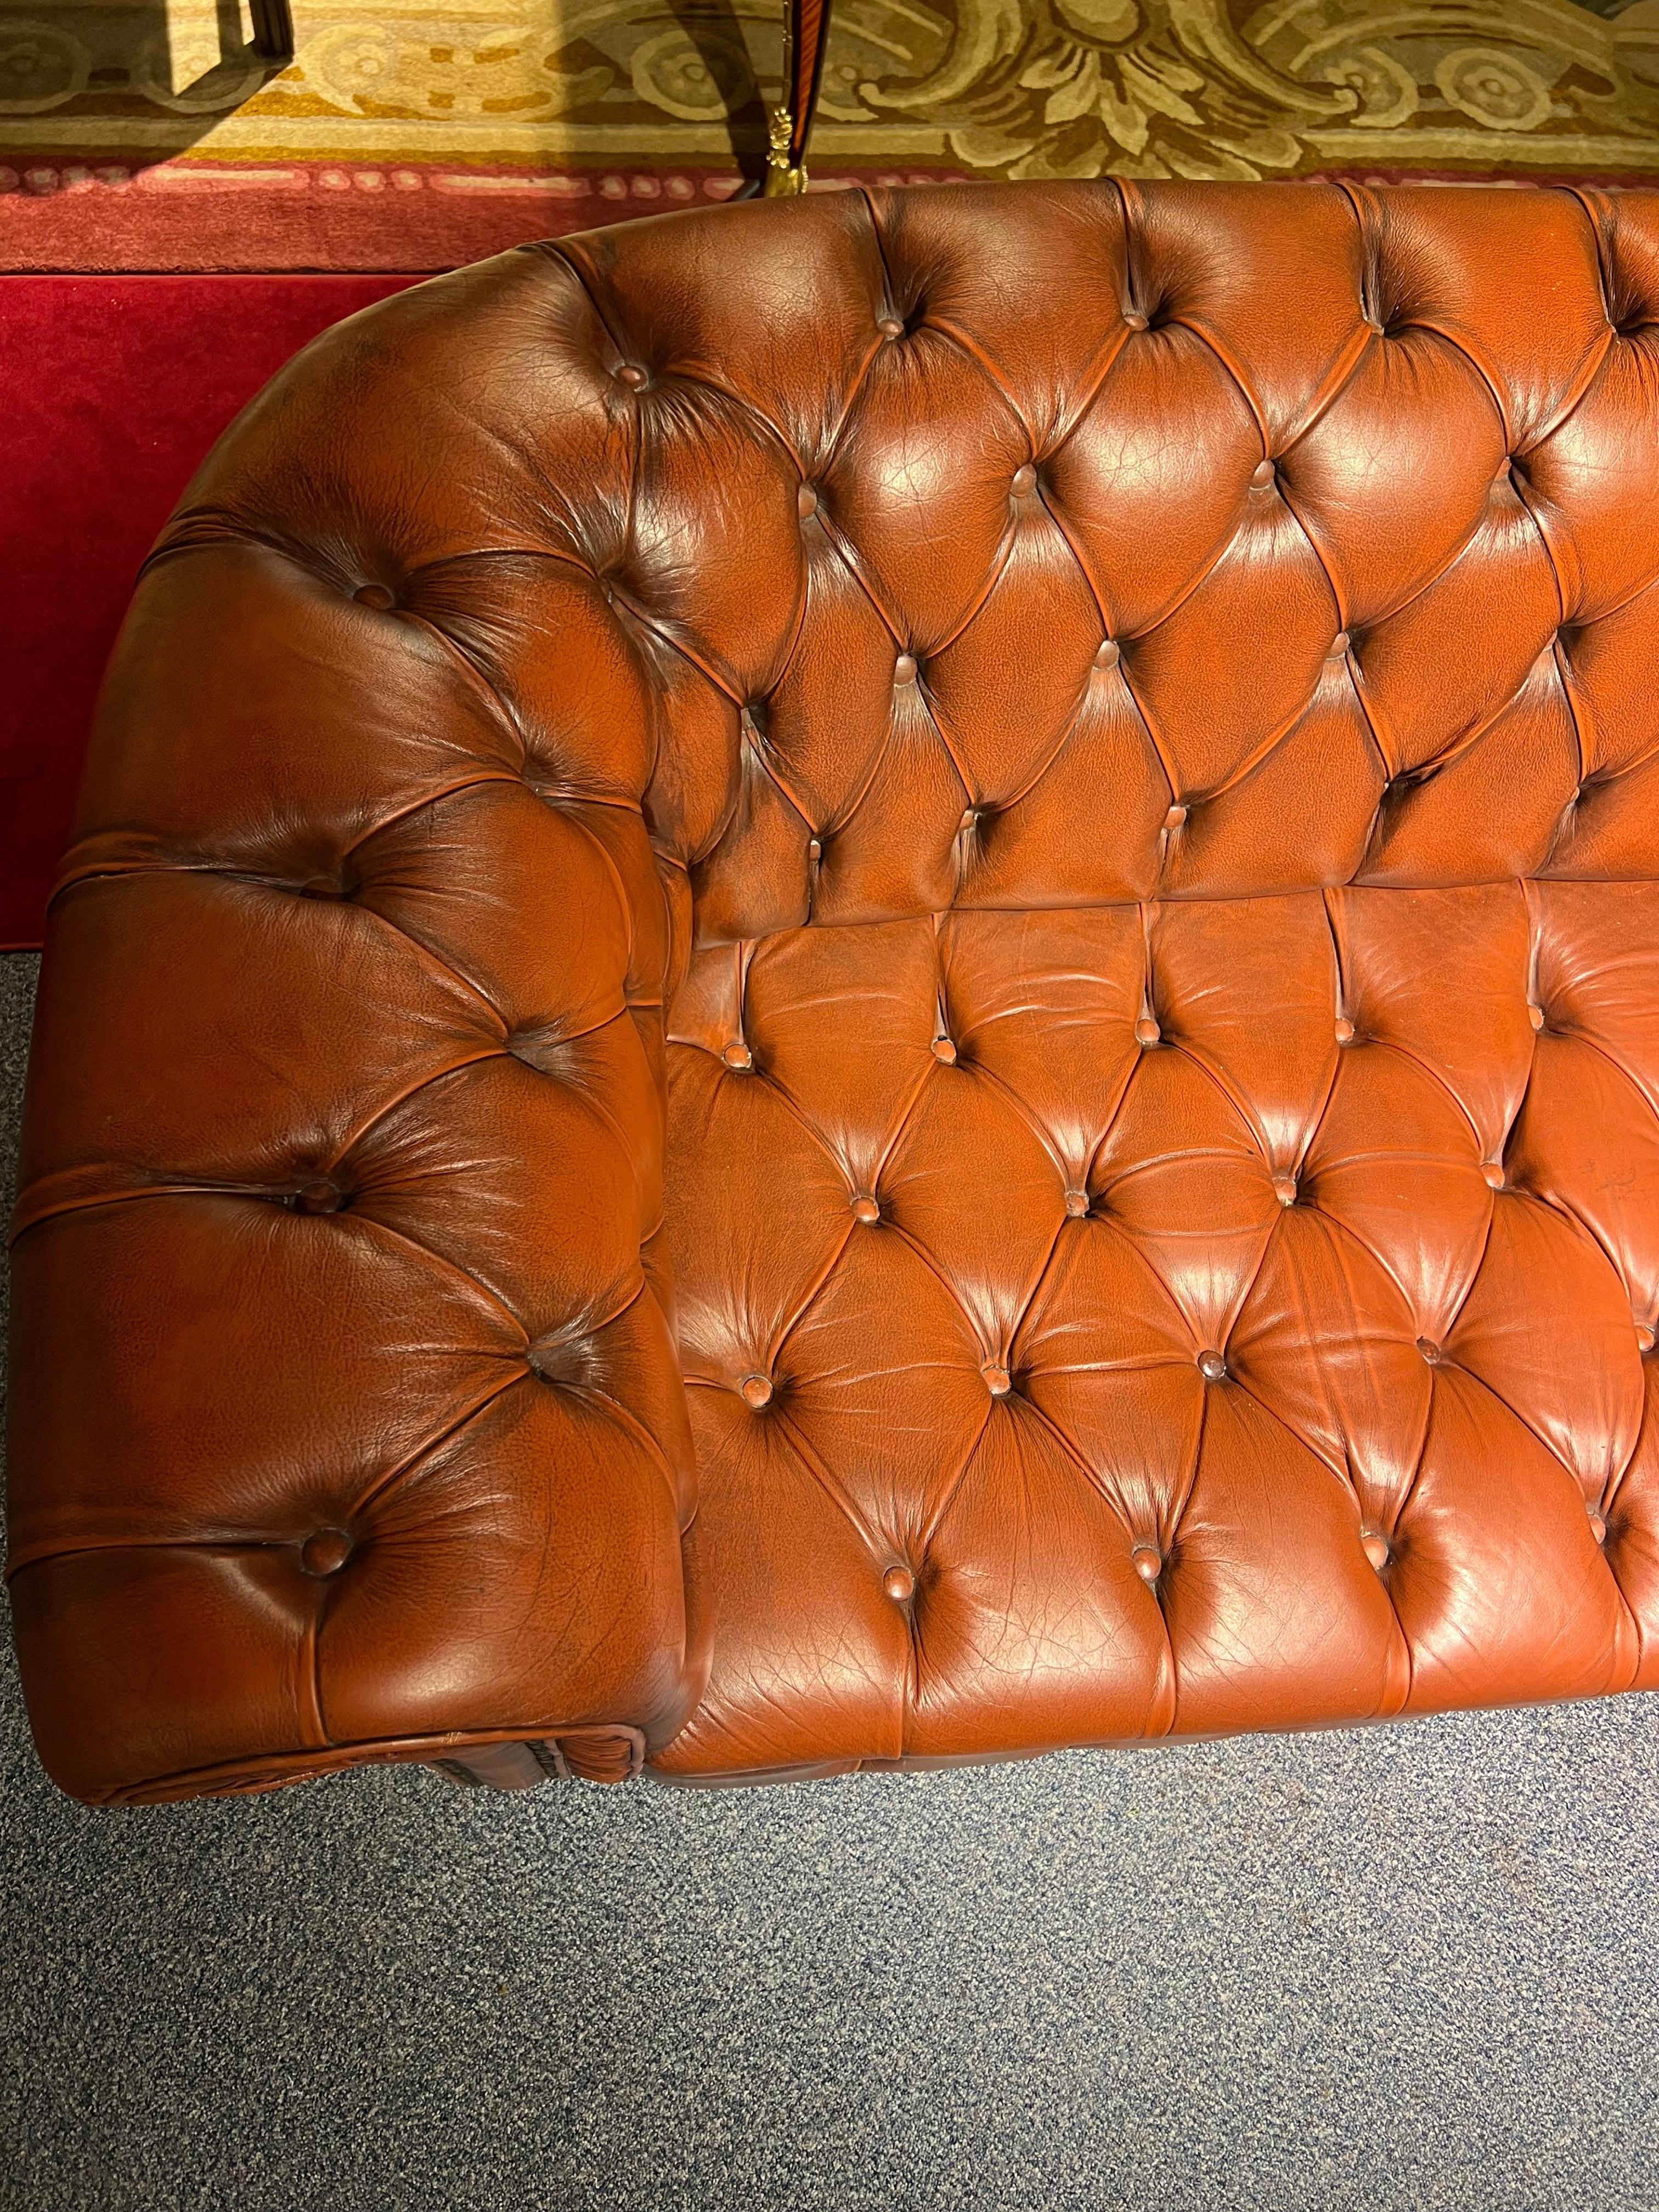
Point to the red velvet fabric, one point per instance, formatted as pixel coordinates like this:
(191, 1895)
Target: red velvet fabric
(112, 389)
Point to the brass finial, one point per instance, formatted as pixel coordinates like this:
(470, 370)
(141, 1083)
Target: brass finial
(782, 181)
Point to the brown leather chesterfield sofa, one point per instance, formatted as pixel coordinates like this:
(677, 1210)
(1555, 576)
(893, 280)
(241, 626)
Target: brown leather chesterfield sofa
(869, 981)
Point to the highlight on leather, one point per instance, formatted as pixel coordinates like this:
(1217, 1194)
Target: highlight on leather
(866, 980)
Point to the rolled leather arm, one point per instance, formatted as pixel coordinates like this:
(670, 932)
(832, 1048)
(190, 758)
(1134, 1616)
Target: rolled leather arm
(346, 1421)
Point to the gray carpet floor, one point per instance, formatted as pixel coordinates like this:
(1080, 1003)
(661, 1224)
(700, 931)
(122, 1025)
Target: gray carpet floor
(1415, 1966)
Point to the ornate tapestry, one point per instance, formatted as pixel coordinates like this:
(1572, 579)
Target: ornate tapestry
(590, 101)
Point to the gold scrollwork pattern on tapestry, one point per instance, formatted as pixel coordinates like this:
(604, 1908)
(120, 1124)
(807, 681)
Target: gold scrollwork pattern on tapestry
(42, 66)
(997, 87)
(1197, 88)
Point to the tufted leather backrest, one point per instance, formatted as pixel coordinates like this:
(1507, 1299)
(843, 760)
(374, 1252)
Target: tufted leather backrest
(639, 623)
(1097, 545)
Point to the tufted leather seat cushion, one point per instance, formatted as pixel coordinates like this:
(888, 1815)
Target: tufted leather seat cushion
(870, 979)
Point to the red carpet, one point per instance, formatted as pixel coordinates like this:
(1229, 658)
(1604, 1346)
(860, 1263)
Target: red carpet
(282, 215)
(112, 389)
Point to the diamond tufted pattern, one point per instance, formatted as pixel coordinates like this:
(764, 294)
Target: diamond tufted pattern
(870, 979)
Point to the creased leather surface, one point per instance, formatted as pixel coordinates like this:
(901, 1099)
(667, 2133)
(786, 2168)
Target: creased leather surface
(1120, 726)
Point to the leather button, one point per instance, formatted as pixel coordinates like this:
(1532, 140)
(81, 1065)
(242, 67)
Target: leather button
(1430, 1349)
(904, 668)
(631, 375)
(1643, 1339)
(1375, 1546)
(1339, 644)
(757, 1391)
(970, 819)
(1147, 1562)
(378, 596)
(320, 1197)
(996, 1379)
(1535, 1015)
(1135, 320)
(1263, 474)
(814, 848)
(1344, 1030)
(1212, 1366)
(1024, 477)
(1077, 1204)
(900, 1584)
(1598, 1523)
(1284, 1189)
(807, 502)
(865, 1208)
(946, 1051)
(1174, 818)
(1147, 1030)
(1107, 653)
(890, 327)
(739, 1057)
(1493, 1174)
(324, 1552)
